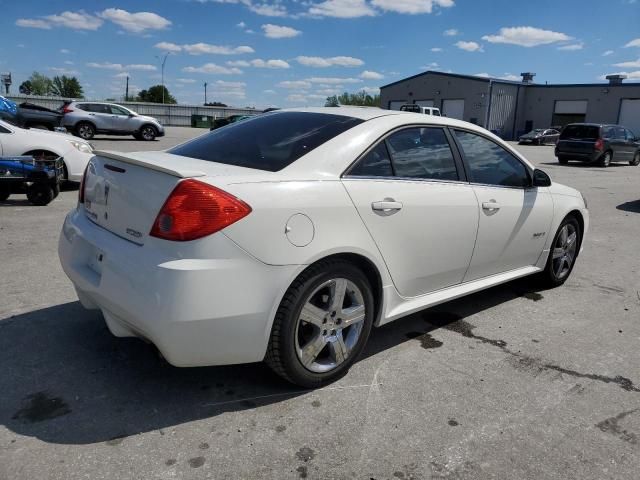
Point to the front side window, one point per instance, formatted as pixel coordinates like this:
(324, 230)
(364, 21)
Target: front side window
(422, 153)
(118, 111)
(490, 163)
(268, 142)
(630, 135)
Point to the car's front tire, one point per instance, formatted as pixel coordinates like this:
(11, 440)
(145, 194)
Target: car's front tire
(563, 160)
(564, 252)
(322, 324)
(148, 133)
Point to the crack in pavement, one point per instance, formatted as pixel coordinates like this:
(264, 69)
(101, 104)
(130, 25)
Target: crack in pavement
(455, 323)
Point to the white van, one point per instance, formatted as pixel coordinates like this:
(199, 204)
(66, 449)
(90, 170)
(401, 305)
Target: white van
(412, 107)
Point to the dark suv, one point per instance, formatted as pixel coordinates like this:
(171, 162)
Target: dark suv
(598, 143)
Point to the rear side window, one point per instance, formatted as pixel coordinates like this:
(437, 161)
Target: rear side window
(580, 132)
(268, 142)
(422, 153)
(376, 163)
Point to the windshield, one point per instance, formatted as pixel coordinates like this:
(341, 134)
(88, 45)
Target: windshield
(267, 142)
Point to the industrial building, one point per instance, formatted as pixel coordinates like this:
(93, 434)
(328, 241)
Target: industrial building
(511, 108)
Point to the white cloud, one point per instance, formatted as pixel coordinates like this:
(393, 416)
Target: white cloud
(68, 62)
(342, 9)
(268, 10)
(279, 31)
(371, 75)
(120, 67)
(371, 90)
(121, 75)
(635, 75)
(79, 20)
(436, 49)
(63, 71)
(322, 62)
(633, 43)
(295, 84)
(135, 22)
(572, 47)
(526, 36)
(269, 92)
(275, 63)
(214, 69)
(469, 46)
(238, 63)
(630, 64)
(332, 80)
(241, 25)
(607, 53)
(506, 76)
(64, 51)
(452, 32)
(220, 88)
(411, 7)
(297, 98)
(168, 47)
(185, 80)
(483, 75)
(204, 48)
(431, 66)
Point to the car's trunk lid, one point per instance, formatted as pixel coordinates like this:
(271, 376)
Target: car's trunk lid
(123, 192)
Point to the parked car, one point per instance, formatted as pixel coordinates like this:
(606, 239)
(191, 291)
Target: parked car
(221, 122)
(598, 143)
(30, 115)
(288, 237)
(86, 119)
(45, 145)
(412, 107)
(540, 136)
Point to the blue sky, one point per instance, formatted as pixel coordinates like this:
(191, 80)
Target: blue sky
(297, 52)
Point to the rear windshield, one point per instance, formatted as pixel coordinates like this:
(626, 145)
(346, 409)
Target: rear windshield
(580, 132)
(267, 142)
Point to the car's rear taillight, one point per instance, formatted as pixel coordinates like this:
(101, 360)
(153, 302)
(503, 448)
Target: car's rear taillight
(195, 209)
(82, 182)
(66, 109)
(599, 145)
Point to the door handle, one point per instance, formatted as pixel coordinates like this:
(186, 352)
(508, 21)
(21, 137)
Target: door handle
(386, 205)
(491, 206)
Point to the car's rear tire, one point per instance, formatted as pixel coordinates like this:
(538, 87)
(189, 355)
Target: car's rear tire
(5, 192)
(85, 130)
(563, 160)
(148, 133)
(40, 194)
(605, 159)
(564, 252)
(322, 324)
(636, 160)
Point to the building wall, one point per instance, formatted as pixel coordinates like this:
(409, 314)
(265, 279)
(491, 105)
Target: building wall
(442, 87)
(603, 102)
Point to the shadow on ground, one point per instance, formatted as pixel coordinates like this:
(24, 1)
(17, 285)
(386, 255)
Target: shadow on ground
(633, 206)
(66, 380)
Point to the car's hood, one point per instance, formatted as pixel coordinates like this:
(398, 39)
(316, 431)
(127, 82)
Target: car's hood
(46, 134)
(560, 189)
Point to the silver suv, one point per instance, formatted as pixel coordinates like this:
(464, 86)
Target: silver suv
(85, 119)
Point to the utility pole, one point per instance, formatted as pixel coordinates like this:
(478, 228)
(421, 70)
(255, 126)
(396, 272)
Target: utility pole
(164, 60)
(205, 93)
(126, 92)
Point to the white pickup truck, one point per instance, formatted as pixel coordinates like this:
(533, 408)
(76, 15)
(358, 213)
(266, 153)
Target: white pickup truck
(412, 107)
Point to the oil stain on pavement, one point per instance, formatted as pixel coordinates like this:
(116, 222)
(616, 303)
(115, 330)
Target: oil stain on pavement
(40, 406)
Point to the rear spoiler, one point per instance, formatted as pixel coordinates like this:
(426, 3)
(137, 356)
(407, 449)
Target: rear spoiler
(131, 159)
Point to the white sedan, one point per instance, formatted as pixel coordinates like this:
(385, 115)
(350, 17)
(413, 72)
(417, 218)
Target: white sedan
(75, 152)
(287, 237)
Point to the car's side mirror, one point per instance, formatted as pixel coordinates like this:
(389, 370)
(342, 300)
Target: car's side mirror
(541, 179)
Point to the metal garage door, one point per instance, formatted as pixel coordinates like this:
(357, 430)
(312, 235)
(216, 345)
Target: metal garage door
(424, 103)
(396, 104)
(569, 111)
(453, 108)
(630, 115)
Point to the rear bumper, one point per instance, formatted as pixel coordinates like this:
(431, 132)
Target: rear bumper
(196, 311)
(588, 157)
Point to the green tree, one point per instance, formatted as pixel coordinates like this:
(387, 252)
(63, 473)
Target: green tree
(40, 84)
(67, 87)
(25, 88)
(154, 95)
(362, 99)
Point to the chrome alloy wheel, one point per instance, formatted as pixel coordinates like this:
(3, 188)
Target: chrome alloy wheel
(329, 325)
(85, 131)
(564, 251)
(148, 133)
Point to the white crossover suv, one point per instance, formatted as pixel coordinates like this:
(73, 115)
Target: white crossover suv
(288, 236)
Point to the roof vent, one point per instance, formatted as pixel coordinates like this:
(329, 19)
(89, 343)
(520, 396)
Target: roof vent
(527, 77)
(615, 79)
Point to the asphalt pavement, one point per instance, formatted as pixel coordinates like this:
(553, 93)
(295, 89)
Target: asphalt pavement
(509, 383)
